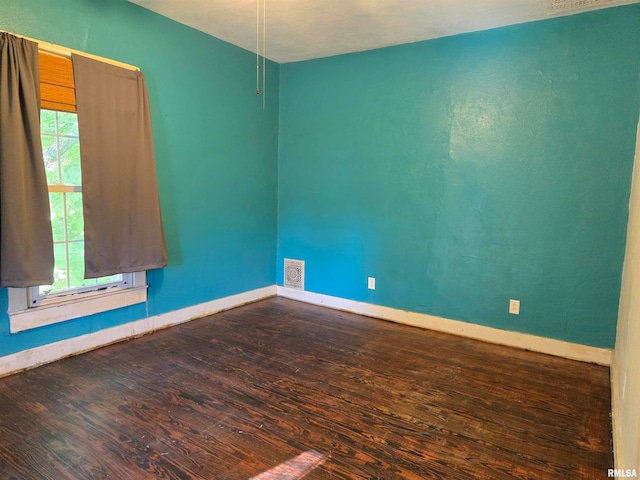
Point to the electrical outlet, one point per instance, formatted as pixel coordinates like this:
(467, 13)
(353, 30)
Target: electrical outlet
(514, 307)
(371, 283)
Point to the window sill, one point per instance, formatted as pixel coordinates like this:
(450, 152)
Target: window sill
(27, 318)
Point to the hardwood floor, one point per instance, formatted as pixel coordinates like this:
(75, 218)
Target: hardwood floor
(277, 389)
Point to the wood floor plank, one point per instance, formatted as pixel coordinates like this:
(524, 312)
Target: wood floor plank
(278, 383)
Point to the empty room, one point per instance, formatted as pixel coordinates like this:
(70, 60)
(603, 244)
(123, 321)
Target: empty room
(282, 239)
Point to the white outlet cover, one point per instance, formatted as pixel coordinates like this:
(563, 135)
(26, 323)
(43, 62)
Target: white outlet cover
(514, 307)
(371, 283)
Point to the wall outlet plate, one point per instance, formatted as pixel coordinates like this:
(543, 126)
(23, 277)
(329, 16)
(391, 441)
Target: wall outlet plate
(371, 283)
(514, 307)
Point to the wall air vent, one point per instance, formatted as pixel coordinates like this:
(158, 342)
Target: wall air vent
(294, 274)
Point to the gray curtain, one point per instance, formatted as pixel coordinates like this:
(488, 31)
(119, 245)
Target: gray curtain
(26, 243)
(123, 224)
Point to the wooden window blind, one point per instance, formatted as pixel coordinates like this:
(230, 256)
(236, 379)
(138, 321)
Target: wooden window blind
(57, 87)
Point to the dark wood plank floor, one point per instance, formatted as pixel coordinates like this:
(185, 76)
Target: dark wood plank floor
(278, 389)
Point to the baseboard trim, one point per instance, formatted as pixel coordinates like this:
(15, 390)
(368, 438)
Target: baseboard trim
(65, 348)
(73, 346)
(615, 416)
(558, 348)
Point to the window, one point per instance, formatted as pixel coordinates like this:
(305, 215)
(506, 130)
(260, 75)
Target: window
(61, 152)
(71, 295)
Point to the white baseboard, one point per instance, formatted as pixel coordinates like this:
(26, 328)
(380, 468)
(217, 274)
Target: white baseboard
(615, 416)
(559, 348)
(73, 346)
(54, 351)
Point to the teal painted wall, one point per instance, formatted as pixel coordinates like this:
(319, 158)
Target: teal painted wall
(216, 153)
(460, 172)
(465, 171)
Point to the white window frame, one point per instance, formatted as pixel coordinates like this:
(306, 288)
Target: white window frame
(23, 315)
(36, 298)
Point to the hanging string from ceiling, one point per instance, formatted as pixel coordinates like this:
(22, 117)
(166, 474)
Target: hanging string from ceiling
(257, 47)
(264, 54)
(261, 14)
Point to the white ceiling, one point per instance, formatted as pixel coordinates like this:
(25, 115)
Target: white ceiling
(305, 29)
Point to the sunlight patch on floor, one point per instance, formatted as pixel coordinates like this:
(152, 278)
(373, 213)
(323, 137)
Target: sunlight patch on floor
(294, 469)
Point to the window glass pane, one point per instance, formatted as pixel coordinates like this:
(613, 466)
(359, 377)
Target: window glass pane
(67, 124)
(76, 265)
(48, 121)
(56, 204)
(50, 153)
(60, 270)
(75, 219)
(109, 279)
(70, 161)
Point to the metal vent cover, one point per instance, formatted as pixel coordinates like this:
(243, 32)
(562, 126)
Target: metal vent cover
(294, 274)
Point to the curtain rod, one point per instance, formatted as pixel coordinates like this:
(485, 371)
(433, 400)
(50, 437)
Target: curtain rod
(66, 52)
